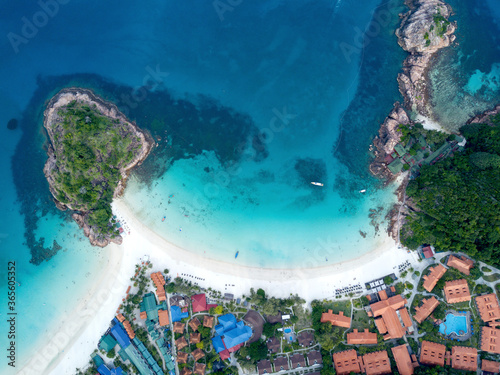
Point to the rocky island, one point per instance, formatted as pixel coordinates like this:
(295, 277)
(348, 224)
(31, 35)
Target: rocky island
(92, 149)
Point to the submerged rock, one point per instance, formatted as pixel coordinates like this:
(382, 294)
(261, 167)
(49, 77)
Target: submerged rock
(12, 124)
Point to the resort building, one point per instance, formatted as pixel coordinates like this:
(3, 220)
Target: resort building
(431, 279)
(490, 366)
(150, 312)
(199, 303)
(264, 367)
(377, 363)
(231, 335)
(194, 324)
(179, 327)
(488, 307)
(297, 360)
(185, 371)
(208, 321)
(181, 343)
(159, 282)
(432, 353)
(198, 354)
(339, 320)
(177, 314)
(194, 338)
(426, 309)
(133, 349)
(346, 362)
(273, 345)
(163, 318)
(490, 340)
(305, 338)
(281, 364)
(165, 352)
(106, 343)
(462, 264)
(361, 338)
(394, 320)
(427, 252)
(199, 368)
(182, 357)
(464, 358)
(105, 370)
(403, 361)
(314, 358)
(457, 291)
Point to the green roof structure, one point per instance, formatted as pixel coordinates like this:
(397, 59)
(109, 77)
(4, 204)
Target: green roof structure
(400, 149)
(97, 359)
(395, 166)
(107, 343)
(151, 308)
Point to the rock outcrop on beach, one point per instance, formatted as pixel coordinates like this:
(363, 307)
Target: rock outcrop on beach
(485, 117)
(424, 30)
(85, 180)
(387, 138)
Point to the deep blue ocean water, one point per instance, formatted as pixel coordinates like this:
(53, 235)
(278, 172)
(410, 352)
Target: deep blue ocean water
(249, 105)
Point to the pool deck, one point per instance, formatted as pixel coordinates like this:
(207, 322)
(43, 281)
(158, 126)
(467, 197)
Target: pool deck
(453, 335)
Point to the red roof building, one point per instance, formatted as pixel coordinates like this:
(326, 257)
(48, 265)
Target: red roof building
(360, 338)
(339, 320)
(464, 358)
(461, 263)
(377, 363)
(488, 307)
(427, 251)
(199, 303)
(433, 277)
(432, 353)
(490, 366)
(457, 291)
(403, 361)
(346, 362)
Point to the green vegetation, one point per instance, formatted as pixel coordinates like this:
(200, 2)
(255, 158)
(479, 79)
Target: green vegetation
(91, 149)
(492, 278)
(441, 24)
(457, 199)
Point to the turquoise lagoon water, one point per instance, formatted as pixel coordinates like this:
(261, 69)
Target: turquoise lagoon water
(454, 324)
(248, 107)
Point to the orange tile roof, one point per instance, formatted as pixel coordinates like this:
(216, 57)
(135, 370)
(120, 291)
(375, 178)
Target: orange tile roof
(389, 322)
(199, 368)
(182, 357)
(457, 291)
(377, 363)
(405, 317)
(395, 302)
(181, 343)
(346, 362)
(194, 324)
(143, 315)
(403, 360)
(426, 309)
(383, 295)
(488, 307)
(129, 329)
(490, 340)
(194, 338)
(432, 353)
(359, 338)
(490, 366)
(339, 320)
(159, 282)
(462, 264)
(120, 318)
(179, 327)
(208, 321)
(197, 354)
(464, 358)
(163, 317)
(431, 279)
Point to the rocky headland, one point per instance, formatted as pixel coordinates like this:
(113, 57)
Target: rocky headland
(93, 148)
(423, 31)
(486, 117)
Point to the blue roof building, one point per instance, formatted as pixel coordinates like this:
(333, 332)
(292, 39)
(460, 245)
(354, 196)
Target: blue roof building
(230, 334)
(104, 370)
(177, 314)
(119, 333)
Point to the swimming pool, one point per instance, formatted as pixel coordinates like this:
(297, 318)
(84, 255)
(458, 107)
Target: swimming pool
(454, 324)
(288, 330)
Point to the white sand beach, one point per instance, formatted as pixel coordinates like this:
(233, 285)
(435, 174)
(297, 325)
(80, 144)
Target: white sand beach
(429, 124)
(76, 336)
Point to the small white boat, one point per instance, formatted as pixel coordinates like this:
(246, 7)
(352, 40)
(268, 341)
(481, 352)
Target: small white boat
(317, 183)
(363, 191)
